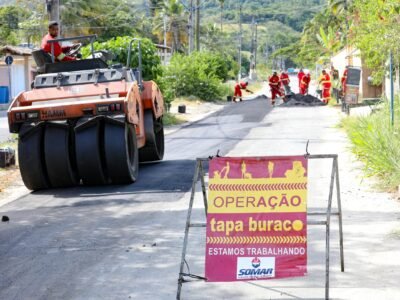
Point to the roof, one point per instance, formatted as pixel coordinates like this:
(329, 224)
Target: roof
(14, 50)
(162, 47)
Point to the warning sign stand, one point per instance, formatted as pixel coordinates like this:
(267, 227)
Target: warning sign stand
(326, 221)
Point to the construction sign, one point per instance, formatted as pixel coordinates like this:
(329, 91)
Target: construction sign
(257, 218)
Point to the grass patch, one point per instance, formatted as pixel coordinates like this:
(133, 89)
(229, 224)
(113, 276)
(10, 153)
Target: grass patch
(9, 175)
(11, 142)
(170, 119)
(255, 86)
(377, 144)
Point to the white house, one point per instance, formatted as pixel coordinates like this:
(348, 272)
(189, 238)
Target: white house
(352, 57)
(21, 75)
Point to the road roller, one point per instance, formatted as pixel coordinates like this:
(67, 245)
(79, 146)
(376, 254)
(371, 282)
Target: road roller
(85, 122)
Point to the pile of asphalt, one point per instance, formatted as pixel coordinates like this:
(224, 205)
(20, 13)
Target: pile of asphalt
(302, 100)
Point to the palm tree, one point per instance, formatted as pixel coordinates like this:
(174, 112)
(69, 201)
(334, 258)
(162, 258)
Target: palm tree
(328, 41)
(154, 4)
(176, 20)
(340, 6)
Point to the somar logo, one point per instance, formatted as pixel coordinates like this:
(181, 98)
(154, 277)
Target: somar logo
(255, 262)
(255, 267)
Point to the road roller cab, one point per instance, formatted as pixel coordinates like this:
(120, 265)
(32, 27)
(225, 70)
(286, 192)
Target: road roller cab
(86, 123)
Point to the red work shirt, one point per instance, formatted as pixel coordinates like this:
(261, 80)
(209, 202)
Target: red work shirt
(344, 78)
(240, 86)
(305, 81)
(300, 76)
(326, 81)
(59, 52)
(284, 79)
(274, 81)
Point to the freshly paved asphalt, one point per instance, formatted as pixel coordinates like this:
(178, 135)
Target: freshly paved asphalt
(114, 242)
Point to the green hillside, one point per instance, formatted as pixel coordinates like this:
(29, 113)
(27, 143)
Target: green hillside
(293, 13)
(280, 22)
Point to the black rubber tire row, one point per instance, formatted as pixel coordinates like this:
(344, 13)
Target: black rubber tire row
(91, 151)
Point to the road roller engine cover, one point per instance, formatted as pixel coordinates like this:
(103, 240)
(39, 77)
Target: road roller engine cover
(84, 122)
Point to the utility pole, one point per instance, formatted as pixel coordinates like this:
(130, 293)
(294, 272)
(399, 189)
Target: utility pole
(253, 45)
(255, 48)
(165, 38)
(190, 27)
(391, 89)
(252, 38)
(222, 11)
(198, 25)
(348, 54)
(53, 9)
(240, 41)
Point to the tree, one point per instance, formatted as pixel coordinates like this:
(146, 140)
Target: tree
(340, 6)
(119, 47)
(107, 18)
(329, 42)
(10, 17)
(321, 37)
(154, 5)
(176, 18)
(377, 33)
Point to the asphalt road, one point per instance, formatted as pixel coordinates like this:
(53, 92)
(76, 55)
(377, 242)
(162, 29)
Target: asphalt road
(114, 242)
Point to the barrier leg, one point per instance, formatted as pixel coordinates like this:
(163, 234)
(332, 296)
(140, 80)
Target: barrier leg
(185, 241)
(339, 204)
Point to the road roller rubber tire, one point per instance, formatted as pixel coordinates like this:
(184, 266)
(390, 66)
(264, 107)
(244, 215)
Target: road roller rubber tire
(121, 151)
(31, 156)
(59, 150)
(89, 150)
(154, 131)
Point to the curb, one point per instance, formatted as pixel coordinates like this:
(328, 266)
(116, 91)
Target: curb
(175, 128)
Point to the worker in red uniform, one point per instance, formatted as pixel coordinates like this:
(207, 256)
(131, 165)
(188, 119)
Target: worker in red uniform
(343, 81)
(284, 78)
(60, 53)
(325, 81)
(274, 84)
(300, 76)
(304, 84)
(238, 90)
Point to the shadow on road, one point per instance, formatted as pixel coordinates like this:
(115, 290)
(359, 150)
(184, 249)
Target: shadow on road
(165, 177)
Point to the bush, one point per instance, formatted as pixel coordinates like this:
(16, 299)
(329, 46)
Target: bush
(119, 47)
(377, 144)
(199, 74)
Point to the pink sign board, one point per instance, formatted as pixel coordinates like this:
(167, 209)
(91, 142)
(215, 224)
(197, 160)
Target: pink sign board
(257, 218)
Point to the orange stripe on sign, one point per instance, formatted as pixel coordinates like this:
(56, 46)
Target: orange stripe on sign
(257, 187)
(257, 240)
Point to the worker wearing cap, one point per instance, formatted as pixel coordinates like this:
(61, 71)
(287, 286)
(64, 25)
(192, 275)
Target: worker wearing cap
(238, 90)
(304, 84)
(284, 78)
(325, 81)
(300, 76)
(59, 52)
(274, 84)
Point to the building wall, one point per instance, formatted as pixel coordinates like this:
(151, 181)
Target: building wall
(341, 60)
(20, 75)
(4, 76)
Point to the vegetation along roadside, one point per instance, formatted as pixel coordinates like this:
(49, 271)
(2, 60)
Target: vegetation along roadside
(377, 143)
